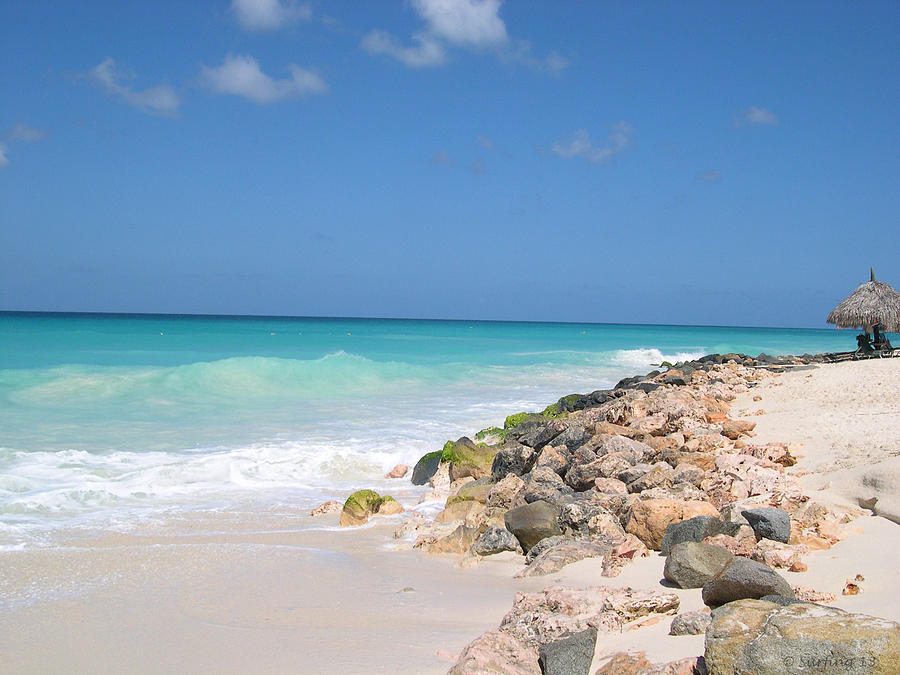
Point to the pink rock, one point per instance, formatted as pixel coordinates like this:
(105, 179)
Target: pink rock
(498, 652)
(398, 471)
(326, 508)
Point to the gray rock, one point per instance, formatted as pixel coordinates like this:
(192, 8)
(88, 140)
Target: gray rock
(572, 437)
(632, 473)
(695, 529)
(571, 655)
(564, 551)
(754, 636)
(692, 564)
(575, 516)
(425, 468)
(690, 623)
(513, 458)
(543, 483)
(533, 522)
(658, 476)
(769, 523)
(618, 444)
(581, 476)
(495, 540)
(744, 578)
(544, 544)
(731, 513)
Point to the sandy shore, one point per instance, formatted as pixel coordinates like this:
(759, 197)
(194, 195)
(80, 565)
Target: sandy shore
(294, 594)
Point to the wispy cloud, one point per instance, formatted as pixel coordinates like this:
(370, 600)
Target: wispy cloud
(269, 14)
(241, 76)
(159, 100)
(754, 116)
(485, 142)
(474, 25)
(582, 147)
(18, 134)
(424, 53)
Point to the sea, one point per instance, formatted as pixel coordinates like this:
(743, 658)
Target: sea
(110, 422)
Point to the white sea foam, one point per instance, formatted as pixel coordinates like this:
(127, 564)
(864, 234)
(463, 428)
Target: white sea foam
(649, 357)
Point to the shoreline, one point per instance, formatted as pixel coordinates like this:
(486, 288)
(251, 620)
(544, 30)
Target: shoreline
(261, 600)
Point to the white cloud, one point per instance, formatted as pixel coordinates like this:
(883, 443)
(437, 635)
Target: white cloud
(241, 76)
(582, 146)
(269, 14)
(426, 52)
(160, 100)
(467, 24)
(756, 116)
(470, 23)
(25, 134)
(3, 161)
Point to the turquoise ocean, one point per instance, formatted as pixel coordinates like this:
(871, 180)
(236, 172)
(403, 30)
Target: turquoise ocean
(109, 421)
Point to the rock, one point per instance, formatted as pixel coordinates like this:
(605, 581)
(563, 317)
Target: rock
(754, 636)
(798, 566)
(553, 458)
(542, 483)
(581, 477)
(359, 506)
(731, 513)
(539, 433)
(613, 485)
(690, 623)
(466, 510)
(477, 490)
(734, 428)
(778, 555)
(626, 663)
(648, 519)
(326, 508)
(496, 540)
(694, 529)
(388, 507)
(568, 550)
(687, 473)
(632, 473)
(458, 541)
(468, 459)
(575, 516)
(512, 458)
(769, 523)
(497, 652)
(629, 446)
(692, 564)
(508, 493)
(572, 655)
(744, 578)
(425, 468)
(399, 471)
(533, 522)
(547, 615)
(572, 437)
(742, 544)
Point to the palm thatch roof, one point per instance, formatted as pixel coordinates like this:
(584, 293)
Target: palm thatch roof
(874, 302)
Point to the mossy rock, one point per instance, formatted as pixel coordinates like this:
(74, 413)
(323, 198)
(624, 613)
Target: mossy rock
(467, 459)
(490, 431)
(455, 499)
(512, 421)
(359, 506)
(426, 467)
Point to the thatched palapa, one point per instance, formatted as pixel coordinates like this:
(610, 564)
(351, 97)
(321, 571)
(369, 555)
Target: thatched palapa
(873, 303)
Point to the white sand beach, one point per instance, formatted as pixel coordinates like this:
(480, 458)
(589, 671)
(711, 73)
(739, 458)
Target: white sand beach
(293, 594)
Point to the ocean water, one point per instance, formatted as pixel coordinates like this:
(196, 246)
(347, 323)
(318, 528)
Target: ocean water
(111, 421)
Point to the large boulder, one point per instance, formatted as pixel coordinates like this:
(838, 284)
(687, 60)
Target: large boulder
(744, 578)
(458, 541)
(695, 529)
(498, 652)
(692, 564)
(769, 523)
(764, 638)
(571, 655)
(533, 522)
(648, 519)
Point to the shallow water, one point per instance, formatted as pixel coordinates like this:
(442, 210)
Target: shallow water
(108, 422)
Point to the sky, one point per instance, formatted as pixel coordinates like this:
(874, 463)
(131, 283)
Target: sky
(627, 162)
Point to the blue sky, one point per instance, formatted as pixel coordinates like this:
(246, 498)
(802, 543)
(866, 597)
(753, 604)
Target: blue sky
(703, 162)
